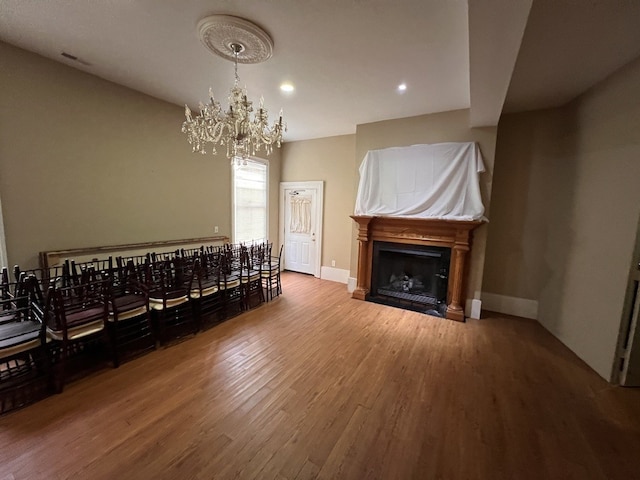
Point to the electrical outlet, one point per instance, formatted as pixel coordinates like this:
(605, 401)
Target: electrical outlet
(333, 263)
(215, 229)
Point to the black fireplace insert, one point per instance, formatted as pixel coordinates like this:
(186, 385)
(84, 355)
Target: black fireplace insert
(413, 277)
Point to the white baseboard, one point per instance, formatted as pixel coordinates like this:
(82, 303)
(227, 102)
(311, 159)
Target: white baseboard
(520, 307)
(473, 308)
(334, 274)
(351, 284)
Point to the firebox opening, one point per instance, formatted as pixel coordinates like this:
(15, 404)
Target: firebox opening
(413, 277)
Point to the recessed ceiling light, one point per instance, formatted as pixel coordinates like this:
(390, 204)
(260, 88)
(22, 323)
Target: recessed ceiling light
(287, 87)
(402, 87)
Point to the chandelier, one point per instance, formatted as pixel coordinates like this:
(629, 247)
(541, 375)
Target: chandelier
(240, 131)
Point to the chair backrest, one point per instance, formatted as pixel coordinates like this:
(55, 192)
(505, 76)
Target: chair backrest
(5, 286)
(58, 276)
(128, 279)
(165, 277)
(27, 285)
(15, 297)
(191, 253)
(205, 274)
(17, 309)
(209, 265)
(78, 304)
(93, 269)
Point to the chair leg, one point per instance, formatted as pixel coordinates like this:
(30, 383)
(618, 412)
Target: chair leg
(60, 368)
(113, 337)
(196, 311)
(160, 319)
(269, 291)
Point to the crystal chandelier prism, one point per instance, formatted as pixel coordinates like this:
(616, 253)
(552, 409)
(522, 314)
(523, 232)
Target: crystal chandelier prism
(239, 131)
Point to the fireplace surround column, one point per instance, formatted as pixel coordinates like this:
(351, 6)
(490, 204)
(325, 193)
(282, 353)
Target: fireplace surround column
(455, 311)
(364, 264)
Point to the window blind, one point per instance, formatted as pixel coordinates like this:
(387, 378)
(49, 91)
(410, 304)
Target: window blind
(250, 202)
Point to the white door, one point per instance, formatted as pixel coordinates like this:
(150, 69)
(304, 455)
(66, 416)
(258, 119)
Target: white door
(630, 374)
(629, 341)
(301, 225)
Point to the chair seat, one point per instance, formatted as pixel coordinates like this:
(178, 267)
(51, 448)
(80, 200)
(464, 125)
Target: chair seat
(205, 292)
(252, 276)
(232, 282)
(128, 302)
(80, 318)
(127, 306)
(74, 333)
(173, 299)
(7, 317)
(19, 337)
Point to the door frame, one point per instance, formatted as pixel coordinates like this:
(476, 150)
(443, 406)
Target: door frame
(319, 186)
(629, 335)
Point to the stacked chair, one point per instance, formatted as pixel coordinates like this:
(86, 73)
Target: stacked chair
(229, 282)
(168, 281)
(75, 318)
(205, 293)
(61, 323)
(129, 321)
(250, 279)
(270, 273)
(24, 367)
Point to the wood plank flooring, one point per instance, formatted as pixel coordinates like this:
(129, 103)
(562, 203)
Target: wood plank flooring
(317, 385)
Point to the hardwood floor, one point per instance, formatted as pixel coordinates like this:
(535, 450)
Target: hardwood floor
(317, 385)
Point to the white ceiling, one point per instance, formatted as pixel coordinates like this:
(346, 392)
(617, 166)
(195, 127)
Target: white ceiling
(345, 57)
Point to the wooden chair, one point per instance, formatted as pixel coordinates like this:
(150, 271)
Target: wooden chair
(168, 283)
(229, 284)
(270, 274)
(205, 293)
(76, 320)
(129, 321)
(251, 281)
(24, 366)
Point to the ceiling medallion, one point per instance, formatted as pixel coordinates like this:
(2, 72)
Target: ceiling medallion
(242, 133)
(219, 32)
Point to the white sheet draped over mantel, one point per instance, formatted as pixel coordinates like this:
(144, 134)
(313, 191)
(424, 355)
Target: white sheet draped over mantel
(423, 181)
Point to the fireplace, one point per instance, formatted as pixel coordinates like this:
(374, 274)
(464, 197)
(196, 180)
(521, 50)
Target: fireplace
(414, 277)
(406, 237)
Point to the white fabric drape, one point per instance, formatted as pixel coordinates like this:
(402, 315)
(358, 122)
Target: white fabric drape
(300, 221)
(424, 181)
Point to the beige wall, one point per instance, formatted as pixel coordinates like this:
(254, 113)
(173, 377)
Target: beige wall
(275, 163)
(332, 161)
(85, 162)
(434, 128)
(566, 203)
(531, 195)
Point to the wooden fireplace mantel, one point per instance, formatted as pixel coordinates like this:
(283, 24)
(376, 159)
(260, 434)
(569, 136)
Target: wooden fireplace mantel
(454, 234)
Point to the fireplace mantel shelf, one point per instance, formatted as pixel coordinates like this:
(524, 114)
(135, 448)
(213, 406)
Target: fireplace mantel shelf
(454, 234)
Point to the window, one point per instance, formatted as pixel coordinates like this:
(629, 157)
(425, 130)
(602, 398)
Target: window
(250, 206)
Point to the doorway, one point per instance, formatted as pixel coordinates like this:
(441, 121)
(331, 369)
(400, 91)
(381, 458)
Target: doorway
(629, 342)
(301, 225)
